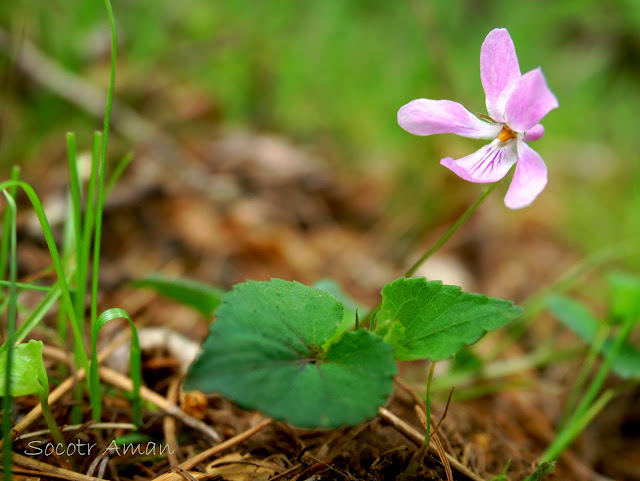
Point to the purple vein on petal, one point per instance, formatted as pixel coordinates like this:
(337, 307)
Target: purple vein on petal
(489, 164)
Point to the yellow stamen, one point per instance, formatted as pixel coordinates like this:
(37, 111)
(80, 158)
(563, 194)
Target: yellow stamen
(506, 134)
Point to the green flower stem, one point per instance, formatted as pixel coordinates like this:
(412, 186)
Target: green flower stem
(372, 314)
(577, 422)
(427, 434)
(445, 237)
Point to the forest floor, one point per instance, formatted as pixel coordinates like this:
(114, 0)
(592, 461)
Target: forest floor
(251, 206)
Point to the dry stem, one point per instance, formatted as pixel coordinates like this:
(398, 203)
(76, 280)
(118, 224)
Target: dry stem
(169, 425)
(409, 431)
(39, 468)
(118, 380)
(190, 463)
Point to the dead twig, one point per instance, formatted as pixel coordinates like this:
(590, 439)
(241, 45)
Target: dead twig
(94, 464)
(79, 428)
(409, 431)
(118, 380)
(229, 443)
(169, 425)
(410, 391)
(46, 470)
(193, 476)
(286, 473)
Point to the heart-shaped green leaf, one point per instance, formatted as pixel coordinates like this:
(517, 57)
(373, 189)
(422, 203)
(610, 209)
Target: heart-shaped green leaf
(429, 320)
(264, 351)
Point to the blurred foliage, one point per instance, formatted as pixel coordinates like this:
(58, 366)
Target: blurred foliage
(335, 72)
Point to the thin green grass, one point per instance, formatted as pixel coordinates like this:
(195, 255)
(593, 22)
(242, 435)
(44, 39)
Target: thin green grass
(6, 226)
(68, 263)
(135, 363)
(590, 403)
(95, 398)
(36, 315)
(27, 286)
(7, 399)
(585, 370)
(72, 269)
(67, 301)
(117, 172)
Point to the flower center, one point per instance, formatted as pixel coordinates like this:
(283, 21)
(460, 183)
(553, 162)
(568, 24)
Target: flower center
(506, 134)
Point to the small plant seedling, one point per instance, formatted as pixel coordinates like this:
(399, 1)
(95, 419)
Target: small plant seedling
(269, 349)
(290, 351)
(29, 376)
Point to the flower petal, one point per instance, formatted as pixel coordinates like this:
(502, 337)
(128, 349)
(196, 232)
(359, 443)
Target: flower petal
(498, 69)
(529, 101)
(489, 164)
(534, 133)
(529, 180)
(427, 117)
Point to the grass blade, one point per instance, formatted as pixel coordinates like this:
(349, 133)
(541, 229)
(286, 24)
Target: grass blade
(55, 258)
(135, 363)
(36, 315)
(7, 401)
(201, 297)
(6, 227)
(100, 200)
(117, 172)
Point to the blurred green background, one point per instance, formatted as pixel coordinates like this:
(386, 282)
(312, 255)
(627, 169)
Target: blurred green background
(333, 74)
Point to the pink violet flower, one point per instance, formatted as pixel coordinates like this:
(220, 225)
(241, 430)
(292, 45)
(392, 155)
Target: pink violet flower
(516, 103)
